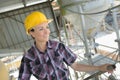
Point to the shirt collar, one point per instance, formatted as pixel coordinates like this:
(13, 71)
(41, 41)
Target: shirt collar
(48, 44)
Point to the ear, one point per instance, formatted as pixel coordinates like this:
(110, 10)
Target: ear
(32, 33)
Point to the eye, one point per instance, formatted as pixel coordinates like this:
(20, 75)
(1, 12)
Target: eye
(40, 29)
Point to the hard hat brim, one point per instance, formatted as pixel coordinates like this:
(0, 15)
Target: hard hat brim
(50, 20)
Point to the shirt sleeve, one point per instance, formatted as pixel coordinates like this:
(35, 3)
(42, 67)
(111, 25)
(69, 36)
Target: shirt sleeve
(68, 56)
(24, 70)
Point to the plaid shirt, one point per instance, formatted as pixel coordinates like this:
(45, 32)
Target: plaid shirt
(48, 65)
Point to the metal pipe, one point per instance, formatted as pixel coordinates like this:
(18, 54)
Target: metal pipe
(116, 27)
(87, 53)
(56, 23)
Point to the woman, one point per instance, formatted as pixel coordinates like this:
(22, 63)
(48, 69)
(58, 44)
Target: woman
(46, 58)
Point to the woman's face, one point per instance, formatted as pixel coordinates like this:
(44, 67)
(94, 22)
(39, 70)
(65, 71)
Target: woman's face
(41, 32)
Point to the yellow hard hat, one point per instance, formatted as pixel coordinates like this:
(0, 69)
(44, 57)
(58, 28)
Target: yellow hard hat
(34, 19)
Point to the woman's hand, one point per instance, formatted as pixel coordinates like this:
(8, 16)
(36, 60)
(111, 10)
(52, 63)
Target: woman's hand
(107, 68)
